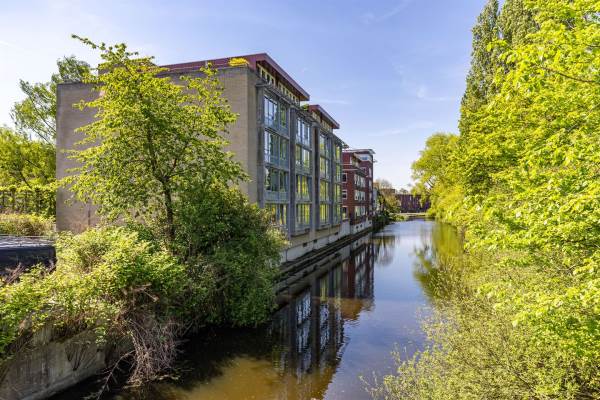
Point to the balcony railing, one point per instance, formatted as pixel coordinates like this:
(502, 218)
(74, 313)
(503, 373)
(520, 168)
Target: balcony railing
(273, 123)
(280, 162)
(276, 196)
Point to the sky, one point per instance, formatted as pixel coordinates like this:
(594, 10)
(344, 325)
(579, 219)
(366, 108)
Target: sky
(391, 72)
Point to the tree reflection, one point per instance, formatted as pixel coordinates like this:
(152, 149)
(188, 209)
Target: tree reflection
(383, 246)
(437, 257)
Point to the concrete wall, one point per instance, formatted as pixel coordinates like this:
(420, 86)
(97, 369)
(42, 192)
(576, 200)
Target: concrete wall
(71, 215)
(51, 366)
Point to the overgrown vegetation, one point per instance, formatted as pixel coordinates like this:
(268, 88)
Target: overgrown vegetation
(25, 225)
(521, 180)
(190, 250)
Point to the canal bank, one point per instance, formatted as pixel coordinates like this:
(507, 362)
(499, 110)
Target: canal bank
(336, 323)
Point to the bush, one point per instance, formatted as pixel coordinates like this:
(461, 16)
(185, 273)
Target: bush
(25, 225)
(242, 248)
(106, 279)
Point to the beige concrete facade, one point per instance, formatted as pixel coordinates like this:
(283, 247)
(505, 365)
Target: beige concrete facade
(251, 140)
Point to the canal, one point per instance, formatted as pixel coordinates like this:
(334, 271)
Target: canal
(339, 322)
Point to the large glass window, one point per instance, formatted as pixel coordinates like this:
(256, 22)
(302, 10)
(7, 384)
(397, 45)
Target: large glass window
(324, 191)
(338, 173)
(324, 144)
(270, 112)
(303, 159)
(276, 183)
(337, 195)
(303, 135)
(278, 213)
(302, 215)
(276, 149)
(324, 214)
(303, 188)
(338, 153)
(324, 167)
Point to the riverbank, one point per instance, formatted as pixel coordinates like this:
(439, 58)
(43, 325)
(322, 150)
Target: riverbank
(337, 322)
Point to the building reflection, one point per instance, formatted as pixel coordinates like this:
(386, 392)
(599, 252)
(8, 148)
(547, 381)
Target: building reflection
(310, 326)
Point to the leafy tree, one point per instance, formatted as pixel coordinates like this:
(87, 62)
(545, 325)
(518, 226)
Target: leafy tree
(36, 114)
(516, 22)
(527, 187)
(152, 139)
(483, 63)
(24, 161)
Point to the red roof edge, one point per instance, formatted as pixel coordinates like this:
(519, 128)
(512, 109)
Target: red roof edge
(252, 61)
(324, 114)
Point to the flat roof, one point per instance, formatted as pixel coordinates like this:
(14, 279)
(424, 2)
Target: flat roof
(359, 151)
(262, 59)
(324, 114)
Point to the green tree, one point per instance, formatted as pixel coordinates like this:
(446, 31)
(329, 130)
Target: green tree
(516, 22)
(24, 161)
(36, 114)
(483, 63)
(152, 139)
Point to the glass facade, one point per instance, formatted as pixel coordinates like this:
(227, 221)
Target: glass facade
(277, 159)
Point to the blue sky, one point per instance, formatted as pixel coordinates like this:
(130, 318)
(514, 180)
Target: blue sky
(390, 72)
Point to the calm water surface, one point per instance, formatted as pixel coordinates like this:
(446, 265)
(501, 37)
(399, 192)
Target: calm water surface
(340, 321)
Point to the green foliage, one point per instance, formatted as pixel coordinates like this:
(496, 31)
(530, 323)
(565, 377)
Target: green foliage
(524, 184)
(152, 140)
(24, 161)
(36, 114)
(102, 277)
(25, 225)
(37, 200)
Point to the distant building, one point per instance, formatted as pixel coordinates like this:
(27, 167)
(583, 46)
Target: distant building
(357, 188)
(289, 150)
(412, 203)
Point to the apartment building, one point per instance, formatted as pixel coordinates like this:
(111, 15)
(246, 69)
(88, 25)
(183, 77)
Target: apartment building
(357, 188)
(286, 145)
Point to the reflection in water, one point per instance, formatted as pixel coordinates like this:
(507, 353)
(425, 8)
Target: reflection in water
(384, 246)
(440, 247)
(339, 319)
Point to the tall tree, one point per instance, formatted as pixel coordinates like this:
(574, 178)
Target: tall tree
(36, 114)
(483, 64)
(153, 141)
(516, 22)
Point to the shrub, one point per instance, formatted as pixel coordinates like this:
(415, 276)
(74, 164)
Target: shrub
(106, 279)
(25, 225)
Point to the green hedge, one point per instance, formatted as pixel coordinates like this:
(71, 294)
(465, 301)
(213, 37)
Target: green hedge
(39, 200)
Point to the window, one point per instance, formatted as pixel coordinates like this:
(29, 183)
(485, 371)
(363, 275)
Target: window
(338, 172)
(324, 144)
(324, 214)
(303, 133)
(283, 117)
(345, 212)
(276, 149)
(303, 159)
(302, 215)
(344, 194)
(338, 153)
(337, 213)
(303, 188)
(337, 195)
(344, 178)
(270, 112)
(324, 191)
(276, 183)
(324, 167)
(278, 213)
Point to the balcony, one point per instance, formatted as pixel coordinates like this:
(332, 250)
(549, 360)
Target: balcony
(277, 161)
(274, 124)
(279, 196)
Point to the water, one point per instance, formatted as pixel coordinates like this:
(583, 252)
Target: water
(339, 323)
